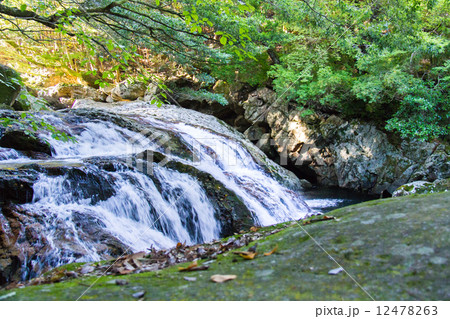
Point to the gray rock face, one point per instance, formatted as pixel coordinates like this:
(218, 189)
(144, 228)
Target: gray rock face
(352, 155)
(128, 91)
(62, 96)
(258, 104)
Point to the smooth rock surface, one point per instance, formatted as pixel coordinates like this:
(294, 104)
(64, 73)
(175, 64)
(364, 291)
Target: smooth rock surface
(402, 254)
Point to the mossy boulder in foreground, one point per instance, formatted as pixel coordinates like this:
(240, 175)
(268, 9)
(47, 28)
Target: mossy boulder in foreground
(396, 249)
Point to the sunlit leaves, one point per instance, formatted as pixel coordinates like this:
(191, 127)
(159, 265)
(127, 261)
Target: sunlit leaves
(31, 125)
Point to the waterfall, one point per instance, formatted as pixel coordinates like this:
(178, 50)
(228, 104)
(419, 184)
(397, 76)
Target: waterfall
(229, 162)
(89, 204)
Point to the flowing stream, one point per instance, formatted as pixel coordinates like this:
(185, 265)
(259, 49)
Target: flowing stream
(142, 210)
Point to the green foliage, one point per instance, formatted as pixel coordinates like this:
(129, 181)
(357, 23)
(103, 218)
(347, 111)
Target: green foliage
(369, 59)
(372, 60)
(424, 110)
(203, 94)
(250, 71)
(30, 124)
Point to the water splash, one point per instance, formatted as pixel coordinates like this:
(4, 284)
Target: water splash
(138, 210)
(230, 163)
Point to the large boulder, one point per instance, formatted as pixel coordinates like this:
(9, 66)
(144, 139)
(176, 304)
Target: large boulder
(62, 96)
(392, 249)
(26, 249)
(354, 155)
(259, 103)
(23, 141)
(9, 86)
(128, 90)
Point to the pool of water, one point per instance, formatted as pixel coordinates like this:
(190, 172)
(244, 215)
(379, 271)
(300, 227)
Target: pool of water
(325, 199)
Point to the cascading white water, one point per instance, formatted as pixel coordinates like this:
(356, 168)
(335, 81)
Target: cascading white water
(233, 165)
(128, 204)
(95, 138)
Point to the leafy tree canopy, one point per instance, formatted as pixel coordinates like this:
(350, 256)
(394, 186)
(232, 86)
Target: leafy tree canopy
(383, 60)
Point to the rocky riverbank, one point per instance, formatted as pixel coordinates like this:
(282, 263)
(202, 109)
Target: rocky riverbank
(323, 148)
(396, 249)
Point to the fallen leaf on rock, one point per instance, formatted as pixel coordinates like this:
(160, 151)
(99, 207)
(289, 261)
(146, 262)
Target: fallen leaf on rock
(190, 278)
(335, 271)
(320, 219)
(222, 278)
(127, 264)
(122, 271)
(139, 294)
(193, 267)
(249, 255)
(246, 254)
(272, 251)
(58, 276)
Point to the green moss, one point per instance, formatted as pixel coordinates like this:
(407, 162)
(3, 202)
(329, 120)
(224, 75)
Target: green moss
(402, 255)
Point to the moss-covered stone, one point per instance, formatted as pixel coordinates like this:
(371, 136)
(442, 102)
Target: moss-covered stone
(423, 187)
(9, 89)
(394, 249)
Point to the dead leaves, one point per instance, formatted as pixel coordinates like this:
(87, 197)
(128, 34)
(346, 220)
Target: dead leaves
(246, 254)
(128, 264)
(251, 252)
(222, 278)
(272, 251)
(193, 267)
(320, 218)
(254, 229)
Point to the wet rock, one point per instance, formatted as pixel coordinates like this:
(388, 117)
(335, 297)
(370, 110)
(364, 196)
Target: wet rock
(16, 187)
(26, 251)
(21, 141)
